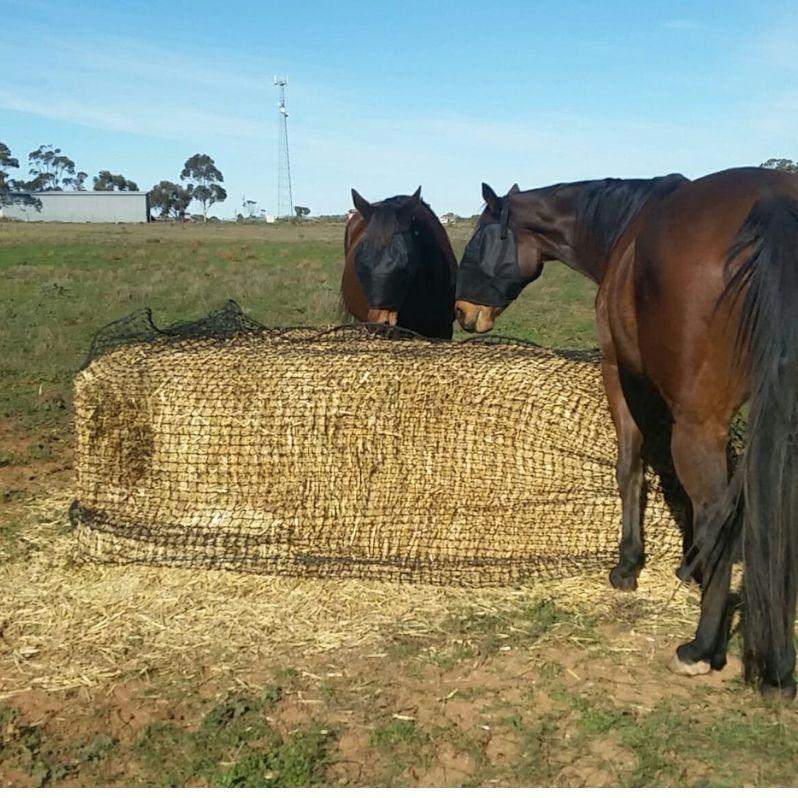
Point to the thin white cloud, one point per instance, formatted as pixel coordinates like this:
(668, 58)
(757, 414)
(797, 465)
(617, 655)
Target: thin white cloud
(775, 115)
(121, 84)
(136, 60)
(450, 155)
(778, 47)
(37, 5)
(171, 122)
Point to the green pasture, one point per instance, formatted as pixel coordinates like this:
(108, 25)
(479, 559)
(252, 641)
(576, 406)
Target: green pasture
(61, 282)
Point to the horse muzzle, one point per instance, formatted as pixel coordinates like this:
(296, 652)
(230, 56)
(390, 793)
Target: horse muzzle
(383, 316)
(475, 318)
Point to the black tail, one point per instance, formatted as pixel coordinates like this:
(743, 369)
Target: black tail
(768, 342)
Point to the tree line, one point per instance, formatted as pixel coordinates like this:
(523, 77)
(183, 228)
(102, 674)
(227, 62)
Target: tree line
(49, 169)
(782, 164)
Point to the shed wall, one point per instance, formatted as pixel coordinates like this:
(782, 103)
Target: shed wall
(83, 206)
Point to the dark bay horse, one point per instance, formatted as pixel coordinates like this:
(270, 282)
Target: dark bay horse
(399, 267)
(698, 298)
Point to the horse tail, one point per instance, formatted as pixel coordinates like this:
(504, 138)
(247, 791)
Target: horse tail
(767, 339)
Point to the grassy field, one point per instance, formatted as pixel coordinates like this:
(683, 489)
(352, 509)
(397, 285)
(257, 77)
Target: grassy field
(564, 685)
(61, 282)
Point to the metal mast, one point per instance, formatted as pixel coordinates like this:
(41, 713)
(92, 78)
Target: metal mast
(285, 201)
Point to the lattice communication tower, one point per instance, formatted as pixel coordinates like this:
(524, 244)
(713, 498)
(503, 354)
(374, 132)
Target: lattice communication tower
(285, 200)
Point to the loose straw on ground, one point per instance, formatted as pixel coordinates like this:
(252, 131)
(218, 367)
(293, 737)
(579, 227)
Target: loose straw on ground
(67, 625)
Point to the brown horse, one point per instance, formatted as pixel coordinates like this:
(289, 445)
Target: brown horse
(697, 298)
(399, 266)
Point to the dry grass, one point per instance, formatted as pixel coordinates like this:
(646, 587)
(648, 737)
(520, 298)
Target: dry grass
(67, 625)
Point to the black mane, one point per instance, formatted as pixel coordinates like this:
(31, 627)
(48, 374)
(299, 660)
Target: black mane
(605, 208)
(382, 224)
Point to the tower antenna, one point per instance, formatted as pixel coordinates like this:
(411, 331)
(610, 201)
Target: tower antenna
(285, 200)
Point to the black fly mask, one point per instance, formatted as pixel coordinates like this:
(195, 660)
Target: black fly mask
(387, 272)
(489, 273)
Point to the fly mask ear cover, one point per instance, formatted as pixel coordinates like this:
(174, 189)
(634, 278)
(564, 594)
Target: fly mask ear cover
(386, 273)
(489, 274)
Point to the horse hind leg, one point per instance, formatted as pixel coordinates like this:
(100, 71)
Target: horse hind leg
(629, 473)
(699, 455)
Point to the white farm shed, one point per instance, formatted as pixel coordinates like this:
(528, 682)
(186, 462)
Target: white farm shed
(82, 206)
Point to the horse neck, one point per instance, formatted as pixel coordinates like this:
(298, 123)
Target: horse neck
(586, 259)
(585, 220)
(554, 217)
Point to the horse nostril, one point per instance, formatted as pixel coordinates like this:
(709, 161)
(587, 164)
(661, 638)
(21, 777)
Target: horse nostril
(467, 325)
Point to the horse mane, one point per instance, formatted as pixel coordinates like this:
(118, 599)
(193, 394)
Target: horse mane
(433, 224)
(382, 224)
(605, 208)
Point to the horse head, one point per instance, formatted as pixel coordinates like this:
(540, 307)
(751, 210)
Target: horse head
(386, 258)
(501, 258)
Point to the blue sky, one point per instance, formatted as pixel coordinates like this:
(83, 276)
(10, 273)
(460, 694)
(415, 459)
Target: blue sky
(387, 96)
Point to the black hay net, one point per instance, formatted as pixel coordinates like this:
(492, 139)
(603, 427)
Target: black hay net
(353, 451)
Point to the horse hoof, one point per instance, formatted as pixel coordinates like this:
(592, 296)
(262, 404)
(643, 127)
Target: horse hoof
(700, 668)
(778, 694)
(718, 661)
(622, 581)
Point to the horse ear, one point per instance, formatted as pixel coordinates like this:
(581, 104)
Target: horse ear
(514, 189)
(411, 203)
(362, 205)
(493, 201)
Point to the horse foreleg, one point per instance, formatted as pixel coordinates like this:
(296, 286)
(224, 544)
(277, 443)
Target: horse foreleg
(629, 472)
(699, 455)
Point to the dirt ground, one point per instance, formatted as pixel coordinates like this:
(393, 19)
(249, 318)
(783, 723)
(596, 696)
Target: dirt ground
(556, 685)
